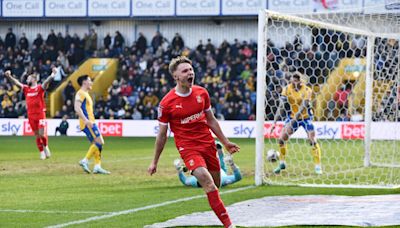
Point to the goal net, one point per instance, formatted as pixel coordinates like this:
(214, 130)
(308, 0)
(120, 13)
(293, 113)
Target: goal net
(350, 61)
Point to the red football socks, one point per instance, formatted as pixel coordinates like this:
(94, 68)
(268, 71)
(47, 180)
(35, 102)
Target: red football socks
(218, 207)
(44, 140)
(39, 144)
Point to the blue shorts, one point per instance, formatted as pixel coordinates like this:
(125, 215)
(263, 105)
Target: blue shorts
(92, 133)
(305, 123)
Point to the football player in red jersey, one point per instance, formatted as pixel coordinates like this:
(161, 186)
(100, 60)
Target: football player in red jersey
(36, 107)
(187, 110)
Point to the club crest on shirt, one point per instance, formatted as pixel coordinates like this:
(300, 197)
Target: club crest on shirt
(199, 100)
(191, 162)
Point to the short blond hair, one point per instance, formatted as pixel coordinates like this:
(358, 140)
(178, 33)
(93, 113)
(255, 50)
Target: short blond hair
(173, 65)
(35, 76)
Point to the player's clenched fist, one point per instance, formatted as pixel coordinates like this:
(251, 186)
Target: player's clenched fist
(7, 73)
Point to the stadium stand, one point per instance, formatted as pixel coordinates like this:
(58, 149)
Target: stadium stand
(227, 70)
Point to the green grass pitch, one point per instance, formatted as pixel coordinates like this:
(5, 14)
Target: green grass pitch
(57, 191)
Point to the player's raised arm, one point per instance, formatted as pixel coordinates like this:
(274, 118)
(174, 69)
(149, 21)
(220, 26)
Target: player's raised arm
(158, 147)
(46, 82)
(212, 122)
(12, 79)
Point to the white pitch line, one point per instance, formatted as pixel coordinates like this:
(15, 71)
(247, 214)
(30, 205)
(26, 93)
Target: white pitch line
(53, 212)
(133, 210)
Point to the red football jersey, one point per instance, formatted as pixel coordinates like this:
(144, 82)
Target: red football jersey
(35, 104)
(185, 114)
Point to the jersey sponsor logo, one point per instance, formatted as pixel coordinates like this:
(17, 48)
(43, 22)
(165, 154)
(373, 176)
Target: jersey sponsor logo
(110, 128)
(353, 131)
(32, 94)
(199, 99)
(191, 118)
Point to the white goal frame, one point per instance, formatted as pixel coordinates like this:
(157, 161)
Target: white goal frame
(263, 17)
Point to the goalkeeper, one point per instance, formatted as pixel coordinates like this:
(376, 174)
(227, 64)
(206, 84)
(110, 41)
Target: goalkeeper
(297, 96)
(225, 178)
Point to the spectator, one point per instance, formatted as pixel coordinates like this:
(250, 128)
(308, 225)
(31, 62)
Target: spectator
(141, 43)
(69, 91)
(340, 100)
(10, 40)
(201, 48)
(118, 42)
(107, 41)
(51, 39)
(343, 116)
(177, 42)
(64, 111)
(10, 112)
(60, 43)
(6, 102)
(242, 115)
(23, 42)
(67, 41)
(63, 127)
(157, 41)
(126, 89)
(151, 99)
(136, 115)
(93, 40)
(70, 108)
(38, 42)
(210, 47)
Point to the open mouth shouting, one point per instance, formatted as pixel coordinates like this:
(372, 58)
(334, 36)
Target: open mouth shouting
(190, 79)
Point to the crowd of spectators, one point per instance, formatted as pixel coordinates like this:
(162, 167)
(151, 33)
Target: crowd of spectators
(39, 57)
(226, 70)
(318, 60)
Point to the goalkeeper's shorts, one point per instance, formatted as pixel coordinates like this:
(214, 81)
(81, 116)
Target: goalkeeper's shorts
(305, 123)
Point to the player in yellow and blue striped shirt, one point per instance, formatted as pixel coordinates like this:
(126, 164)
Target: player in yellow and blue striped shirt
(298, 95)
(84, 109)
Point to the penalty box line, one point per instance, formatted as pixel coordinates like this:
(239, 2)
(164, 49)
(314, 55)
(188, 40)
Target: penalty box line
(134, 210)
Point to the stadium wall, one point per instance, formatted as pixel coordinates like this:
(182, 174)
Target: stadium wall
(215, 18)
(191, 30)
(232, 129)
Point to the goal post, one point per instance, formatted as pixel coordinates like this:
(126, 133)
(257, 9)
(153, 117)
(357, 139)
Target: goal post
(351, 63)
(368, 101)
(260, 103)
